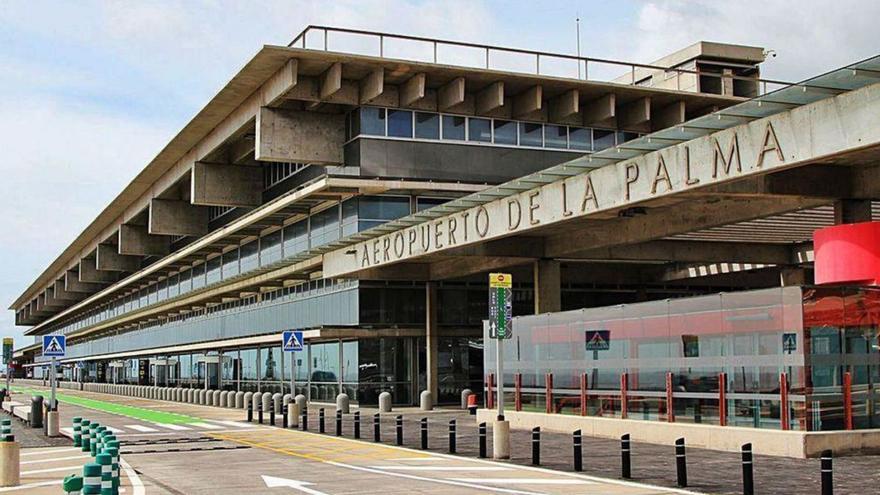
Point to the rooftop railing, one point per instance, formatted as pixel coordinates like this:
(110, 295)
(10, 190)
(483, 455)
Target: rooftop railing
(489, 57)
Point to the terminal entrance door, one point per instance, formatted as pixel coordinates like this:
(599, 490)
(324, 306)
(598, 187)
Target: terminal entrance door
(209, 372)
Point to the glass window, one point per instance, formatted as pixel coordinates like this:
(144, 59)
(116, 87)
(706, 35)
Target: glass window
(453, 127)
(376, 210)
(249, 257)
(185, 281)
(624, 136)
(325, 362)
(296, 237)
(248, 364)
(400, 123)
(425, 203)
(602, 139)
(530, 134)
(324, 226)
(480, 130)
(580, 138)
(556, 136)
(349, 217)
(372, 121)
(173, 285)
(505, 132)
(213, 274)
(270, 248)
(271, 368)
(230, 263)
(198, 276)
(427, 125)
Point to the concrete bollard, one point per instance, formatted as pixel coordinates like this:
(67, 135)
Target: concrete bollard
(464, 397)
(52, 426)
(225, 397)
(215, 399)
(203, 397)
(257, 402)
(342, 403)
(385, 402)
(501, 440)
(426, 401)
(247, 400)
(286, 400)
(191, 396)
(239, 400)
(276, 402)
(10, 465)
(266, 400)
(293, 413)
(301, 402)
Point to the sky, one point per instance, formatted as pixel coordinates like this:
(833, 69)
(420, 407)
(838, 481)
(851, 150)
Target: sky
(91, 91)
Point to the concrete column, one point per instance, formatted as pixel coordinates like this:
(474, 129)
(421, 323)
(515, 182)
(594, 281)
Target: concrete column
(852, 211)
(431, 338)
(548, 286)
(792, 275)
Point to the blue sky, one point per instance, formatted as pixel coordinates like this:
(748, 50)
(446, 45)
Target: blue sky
(90, 91)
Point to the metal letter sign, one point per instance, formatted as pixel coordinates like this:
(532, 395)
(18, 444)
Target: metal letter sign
(598, 340)
(500, 306)
(54, 345)
(292, 340)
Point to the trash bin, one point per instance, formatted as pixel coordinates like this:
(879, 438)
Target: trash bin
(37, 411)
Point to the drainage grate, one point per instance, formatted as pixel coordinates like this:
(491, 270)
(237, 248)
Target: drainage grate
(177, 450)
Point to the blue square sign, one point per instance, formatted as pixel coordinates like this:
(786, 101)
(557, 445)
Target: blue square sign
(54, 345)
(292, 340)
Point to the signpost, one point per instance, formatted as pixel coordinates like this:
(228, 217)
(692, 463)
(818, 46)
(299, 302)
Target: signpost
(789, 342)
(7, 358)
(54, 346)
(292, 342)
(500, 329)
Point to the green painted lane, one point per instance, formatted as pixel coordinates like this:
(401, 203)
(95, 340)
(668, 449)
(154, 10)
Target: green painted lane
(119, 409)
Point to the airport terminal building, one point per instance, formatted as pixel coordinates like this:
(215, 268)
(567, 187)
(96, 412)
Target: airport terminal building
(364, 197)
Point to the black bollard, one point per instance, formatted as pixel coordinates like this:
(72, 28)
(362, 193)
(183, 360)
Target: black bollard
(681, 470)
(482, 440)
(424, 429)
(399, 430)
(304, 419)
(284, 418)
(536, 446)
(272, 417)
(376, 435)
(625, 459)
(339, 422)
(578, 451)
(748, 474)
(827, 473)
(260, 412)
(250, 413)
(321, 420)
(357, 425)
(451, 436)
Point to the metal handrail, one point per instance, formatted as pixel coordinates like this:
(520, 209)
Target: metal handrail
(632, 66)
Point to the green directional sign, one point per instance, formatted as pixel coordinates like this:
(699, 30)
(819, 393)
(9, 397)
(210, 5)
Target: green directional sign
(500, 306)
(7, 350)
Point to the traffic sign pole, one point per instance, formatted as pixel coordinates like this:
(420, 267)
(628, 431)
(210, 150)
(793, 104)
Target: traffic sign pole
(54, 382)
(499, 370)
(500, 328)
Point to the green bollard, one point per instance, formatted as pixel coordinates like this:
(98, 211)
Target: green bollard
(77, 432)
(106, 463)
(86, 426)
(91, 479)
(114, 467)
(72, 484)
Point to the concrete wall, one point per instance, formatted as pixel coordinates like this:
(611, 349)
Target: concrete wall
(728, 438)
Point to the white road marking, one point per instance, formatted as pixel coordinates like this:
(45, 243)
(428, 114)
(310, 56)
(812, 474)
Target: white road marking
(433, 480)
(31, 485)
(83, 456)
(137, 487)
(273, 482)
(115, 430)
(525, 481)
(235, 424)
(51, 451)
(172, 426)
(76, 469)
(423, 459)
(443, 468)
(205, 426)
(69, 431)
(141, 428)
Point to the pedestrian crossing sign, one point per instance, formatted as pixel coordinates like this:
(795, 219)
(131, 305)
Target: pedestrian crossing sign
(54, 345)
(292, 340)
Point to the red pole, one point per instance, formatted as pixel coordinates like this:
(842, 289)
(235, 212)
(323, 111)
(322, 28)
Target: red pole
(847, 401)
(783, 401)
(670, 407)
(583, 394)
(722, 399)
(517, 393)
(623, 402)
(548, 387)
(490, 398)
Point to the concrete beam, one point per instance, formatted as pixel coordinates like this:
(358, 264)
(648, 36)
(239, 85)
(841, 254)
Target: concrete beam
(218, 184)
(177, 217)
(88, 272)
(412, 90)
(565, 105)
(673, 114)
(281, 83)
(529, 102)
(852, 211)
(601, 111)
(109, 259)
(462, 267)
(62, 294)
(331, 81)
(451, 94)
(692, 252)
(299, 136)
(73, 284)
(372, 86)
(135, 240)
(490, 98)
(243, 149)
(634, 114)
